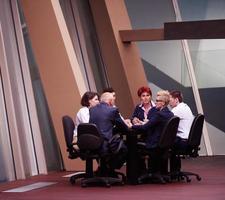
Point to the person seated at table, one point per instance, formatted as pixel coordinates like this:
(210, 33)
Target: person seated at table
(106, 116)
(143, 111)
(88, 100)
(183, 111)
(111, 90)
(153, 129)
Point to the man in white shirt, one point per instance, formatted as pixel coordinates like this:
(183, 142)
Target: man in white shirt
(182, 110)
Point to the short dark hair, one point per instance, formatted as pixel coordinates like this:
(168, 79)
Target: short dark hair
(108, 89)
(177, 94)
(144, 89)
(86, 97)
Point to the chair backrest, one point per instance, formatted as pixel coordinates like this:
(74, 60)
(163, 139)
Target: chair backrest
(169, 133)
(195, 134)
(68, 127)
(88, 137)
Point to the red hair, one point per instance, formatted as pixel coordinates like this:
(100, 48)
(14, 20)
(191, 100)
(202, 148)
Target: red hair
(144, 89)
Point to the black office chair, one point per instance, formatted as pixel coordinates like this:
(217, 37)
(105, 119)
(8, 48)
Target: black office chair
(166, 141)
(192, 148)
(89, 142)
(68, 127)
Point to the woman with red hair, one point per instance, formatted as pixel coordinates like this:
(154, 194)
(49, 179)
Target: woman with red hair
(143, 110)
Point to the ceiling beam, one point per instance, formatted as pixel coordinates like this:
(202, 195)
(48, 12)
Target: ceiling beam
(207, 29)
(142, 35)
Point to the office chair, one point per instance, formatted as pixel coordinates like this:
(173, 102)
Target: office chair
(89, 142)
(68, 127)
(166, 141)
(192, 148)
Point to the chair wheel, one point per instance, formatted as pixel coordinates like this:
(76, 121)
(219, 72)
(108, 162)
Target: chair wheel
(108, 185)
(188, 180)
(83, 185)
(72, 180)
(124, 179)
(122, 183)
(139, 181)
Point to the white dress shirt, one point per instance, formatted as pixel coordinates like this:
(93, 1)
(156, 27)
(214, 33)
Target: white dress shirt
(183, 111)
(82, 116)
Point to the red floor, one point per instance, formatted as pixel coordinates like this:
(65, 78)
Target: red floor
(212, 186)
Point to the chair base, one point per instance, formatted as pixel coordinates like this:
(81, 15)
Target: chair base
(113, 174)
(154, 178)
(106, 181)
(77, 176)
(98, 180)
(181, 175)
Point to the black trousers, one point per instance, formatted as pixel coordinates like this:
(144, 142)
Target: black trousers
(158, 161)
(175, 162)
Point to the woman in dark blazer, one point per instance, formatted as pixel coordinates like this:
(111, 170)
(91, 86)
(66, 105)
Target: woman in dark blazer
(153, 128)
(144, 110)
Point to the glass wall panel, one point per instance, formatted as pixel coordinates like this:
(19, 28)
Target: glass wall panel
(164, 61)
(82, 31)
(192, 10)
(208, 57)
(7, 171)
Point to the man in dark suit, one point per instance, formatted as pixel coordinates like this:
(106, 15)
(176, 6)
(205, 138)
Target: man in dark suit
(153, 129)
(107, 117)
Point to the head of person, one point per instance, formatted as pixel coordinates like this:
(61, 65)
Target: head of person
(89, 99)
(176, 97)
(145, 94)
(162, 99)
(108, 98)
(110, 90)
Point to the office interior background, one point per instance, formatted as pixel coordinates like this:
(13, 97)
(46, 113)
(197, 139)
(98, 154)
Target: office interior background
(52, 51)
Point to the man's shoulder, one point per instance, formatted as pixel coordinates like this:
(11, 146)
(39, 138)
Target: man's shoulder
(105, 106)
(182, 105)
(181, 109)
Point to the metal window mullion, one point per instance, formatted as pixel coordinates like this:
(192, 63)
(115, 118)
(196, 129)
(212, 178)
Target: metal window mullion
(13, 129)
(38, 164)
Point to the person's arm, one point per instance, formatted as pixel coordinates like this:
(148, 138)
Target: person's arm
(151, 123)
(119, 122)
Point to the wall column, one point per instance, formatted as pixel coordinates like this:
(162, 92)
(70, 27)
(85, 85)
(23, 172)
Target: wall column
(122, 61)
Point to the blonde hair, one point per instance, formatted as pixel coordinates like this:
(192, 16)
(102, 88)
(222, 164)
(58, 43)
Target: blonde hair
(107, 97)
(164, 95)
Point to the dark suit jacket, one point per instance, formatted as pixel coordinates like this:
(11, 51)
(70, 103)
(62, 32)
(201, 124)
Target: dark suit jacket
(139, 112)
(153, 128)
(106, 117)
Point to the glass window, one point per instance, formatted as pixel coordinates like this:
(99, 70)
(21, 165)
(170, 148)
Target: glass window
(83, 34)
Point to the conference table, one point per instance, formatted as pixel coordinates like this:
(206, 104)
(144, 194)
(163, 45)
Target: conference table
(132, 165)
(132, 157)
